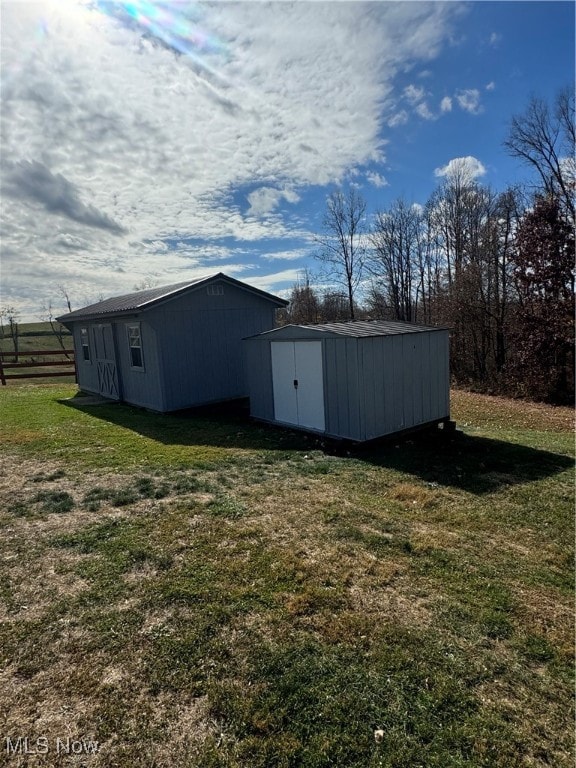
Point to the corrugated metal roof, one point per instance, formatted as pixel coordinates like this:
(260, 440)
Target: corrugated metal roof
(140, 300)
(358, 328)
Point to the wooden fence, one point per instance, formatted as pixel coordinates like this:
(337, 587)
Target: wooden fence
(32, 363)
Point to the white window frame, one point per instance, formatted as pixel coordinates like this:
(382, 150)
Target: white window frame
(85, 345)
(134, 333)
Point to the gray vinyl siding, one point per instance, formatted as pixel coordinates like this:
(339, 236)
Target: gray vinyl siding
(200, 338)
(191, 347)
(140, 387)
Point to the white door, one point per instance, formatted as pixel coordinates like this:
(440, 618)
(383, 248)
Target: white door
(106, 362)
(297, 378)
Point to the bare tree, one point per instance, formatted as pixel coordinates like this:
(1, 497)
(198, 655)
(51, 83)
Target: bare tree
(472, 229)
(334, 307)
(343, 244)
(147, 282)
(545, 139)
(452, 217)
(66, 296)
(58, 329)
(12, 315)
(304, 302)
(395, 241)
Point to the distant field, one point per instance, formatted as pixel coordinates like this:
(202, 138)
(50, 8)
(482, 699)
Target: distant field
(34, 337)
(199, 590)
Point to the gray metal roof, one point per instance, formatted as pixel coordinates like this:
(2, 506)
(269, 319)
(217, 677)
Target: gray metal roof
(355, 328)
(142, 300)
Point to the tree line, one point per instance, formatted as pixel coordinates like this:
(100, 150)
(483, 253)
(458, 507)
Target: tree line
(497, 268)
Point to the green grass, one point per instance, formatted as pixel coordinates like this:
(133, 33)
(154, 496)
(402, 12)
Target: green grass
(34, 336)
(197, 590)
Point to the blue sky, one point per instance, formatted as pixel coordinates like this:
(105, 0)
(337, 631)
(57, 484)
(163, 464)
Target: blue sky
(148, 141)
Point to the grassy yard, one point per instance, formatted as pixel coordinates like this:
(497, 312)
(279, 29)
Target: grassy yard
(198, 590)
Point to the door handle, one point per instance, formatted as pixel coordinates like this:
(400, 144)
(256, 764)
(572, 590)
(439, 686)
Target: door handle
(295, 383)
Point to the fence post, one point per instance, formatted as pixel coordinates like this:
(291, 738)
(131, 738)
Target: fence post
(2, 377)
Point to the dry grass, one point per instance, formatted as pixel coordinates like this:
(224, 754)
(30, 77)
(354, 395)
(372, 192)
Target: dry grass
(276, 609)
(476, 410)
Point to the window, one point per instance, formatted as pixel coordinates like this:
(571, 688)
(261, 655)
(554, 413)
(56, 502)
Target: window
(135, 344)
(85, 344)
(215, 290)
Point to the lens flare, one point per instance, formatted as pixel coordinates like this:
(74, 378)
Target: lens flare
(174, 24)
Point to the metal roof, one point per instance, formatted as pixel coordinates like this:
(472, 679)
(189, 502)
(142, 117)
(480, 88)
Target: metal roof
(355, 328)
(142, 300)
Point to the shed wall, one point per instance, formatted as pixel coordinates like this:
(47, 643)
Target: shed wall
(200, 341)
(405, 382)
(373, 386)
(258, 366)
(342, 387)
(140, 387)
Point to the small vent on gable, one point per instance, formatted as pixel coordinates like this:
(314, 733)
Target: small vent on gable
(215, 290)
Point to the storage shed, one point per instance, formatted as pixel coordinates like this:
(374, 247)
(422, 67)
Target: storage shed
(356, 380)
(171, 347)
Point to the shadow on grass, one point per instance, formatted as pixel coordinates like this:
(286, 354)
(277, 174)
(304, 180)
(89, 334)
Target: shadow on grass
(472, 463)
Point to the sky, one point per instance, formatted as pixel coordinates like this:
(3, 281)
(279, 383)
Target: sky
(148, 143)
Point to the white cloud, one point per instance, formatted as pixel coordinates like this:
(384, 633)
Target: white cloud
(265, 200)
(491, 86)
(414, 93)
(110, 140)
(495, 39)
(270, 282)
(469, 100)
(424, 111)
(568, 167)
(289, 255)
(400, 118)
(446, 104)
(464, 168)
(376, 179)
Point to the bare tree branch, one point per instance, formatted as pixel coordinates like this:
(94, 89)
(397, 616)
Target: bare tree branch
(343, 244)
(546, 141)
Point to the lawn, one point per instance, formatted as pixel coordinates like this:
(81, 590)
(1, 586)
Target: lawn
(198, 590)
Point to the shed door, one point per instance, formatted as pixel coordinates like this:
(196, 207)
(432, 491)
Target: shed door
(105, 350)
(298, 383)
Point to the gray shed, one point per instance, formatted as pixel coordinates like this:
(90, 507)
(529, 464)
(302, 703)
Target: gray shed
(171, 347)
(356, 380)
